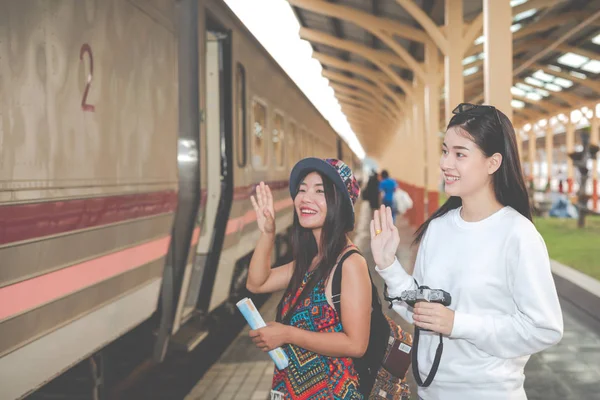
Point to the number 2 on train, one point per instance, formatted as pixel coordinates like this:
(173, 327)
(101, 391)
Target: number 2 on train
(85, 48)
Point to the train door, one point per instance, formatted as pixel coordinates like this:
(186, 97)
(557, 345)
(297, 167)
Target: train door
(217, 192)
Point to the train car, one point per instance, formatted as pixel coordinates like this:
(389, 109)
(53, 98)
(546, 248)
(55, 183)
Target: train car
(132, 136)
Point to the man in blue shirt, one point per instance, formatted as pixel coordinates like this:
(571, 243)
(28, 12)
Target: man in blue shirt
(388, 187)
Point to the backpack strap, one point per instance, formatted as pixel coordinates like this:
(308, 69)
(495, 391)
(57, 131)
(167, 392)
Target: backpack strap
(336, 283)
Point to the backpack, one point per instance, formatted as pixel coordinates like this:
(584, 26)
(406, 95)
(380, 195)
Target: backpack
(382, 369)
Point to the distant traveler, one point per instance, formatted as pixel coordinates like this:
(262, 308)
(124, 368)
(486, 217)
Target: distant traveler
(371, 192)
(388, 187)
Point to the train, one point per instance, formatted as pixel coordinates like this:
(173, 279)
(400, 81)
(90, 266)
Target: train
(132, 135)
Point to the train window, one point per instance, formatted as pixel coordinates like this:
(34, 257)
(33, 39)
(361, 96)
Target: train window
(259, 147)
(241, 138)
(278, 139)
(292, 153)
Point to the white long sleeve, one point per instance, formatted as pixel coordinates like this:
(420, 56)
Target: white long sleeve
(506, 307)
(398, 280)
(537, 321)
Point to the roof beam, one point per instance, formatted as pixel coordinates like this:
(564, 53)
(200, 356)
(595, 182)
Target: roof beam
(362, 18)
(565, 110)
(351, 109)
(367, 73)
(566, 48)
(427, 23)
(376, 97)
(590, 83)
(536, 27)
(577, 28)
(566, 97)
(380, 27)
(355, 82)
(351, 98)
(475, 28)
(383, 56)
(545, 105)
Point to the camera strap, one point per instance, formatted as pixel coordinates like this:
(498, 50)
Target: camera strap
(415, 362)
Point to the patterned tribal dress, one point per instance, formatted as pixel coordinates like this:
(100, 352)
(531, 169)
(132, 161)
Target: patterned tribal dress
(310, 375)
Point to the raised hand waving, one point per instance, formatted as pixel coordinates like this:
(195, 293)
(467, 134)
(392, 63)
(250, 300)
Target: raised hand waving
(263, 205)
(384, 237)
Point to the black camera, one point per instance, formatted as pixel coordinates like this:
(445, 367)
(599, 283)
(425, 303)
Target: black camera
(411, 297)
(423, 293)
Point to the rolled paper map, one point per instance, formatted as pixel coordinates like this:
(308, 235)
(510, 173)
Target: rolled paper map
(255, 320)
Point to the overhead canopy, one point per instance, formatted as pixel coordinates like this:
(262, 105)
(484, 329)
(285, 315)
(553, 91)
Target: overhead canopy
(372, 49)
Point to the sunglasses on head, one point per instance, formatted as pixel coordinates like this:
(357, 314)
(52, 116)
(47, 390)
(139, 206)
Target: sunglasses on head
(476, 110)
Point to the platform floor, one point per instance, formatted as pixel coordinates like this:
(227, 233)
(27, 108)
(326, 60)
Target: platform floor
(569, 370)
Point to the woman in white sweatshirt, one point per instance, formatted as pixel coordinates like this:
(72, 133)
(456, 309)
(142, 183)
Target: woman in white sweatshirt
(482, 248)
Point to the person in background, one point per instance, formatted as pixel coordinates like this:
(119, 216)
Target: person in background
(371, 192)
(388, 187)
(320, 346)
(483, 249)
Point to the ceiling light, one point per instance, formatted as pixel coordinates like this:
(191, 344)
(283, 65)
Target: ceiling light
(543, 122)
(533, 96)
(517, 91)
(533, 81)
(576, 116)
(542, 92)
(541, 75)
(470, 71)
(479, 40)
(517, 104)
(596, 39)
(554, 68)
(514, 3)
(553, 87)
(469, 60)
(527, 127)
(524, 86)
(524, 15)
(572, 60)
(563, 82)
(592, 66)
(578, 75)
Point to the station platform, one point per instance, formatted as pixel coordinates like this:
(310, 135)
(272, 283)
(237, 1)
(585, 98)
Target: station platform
(569, 370)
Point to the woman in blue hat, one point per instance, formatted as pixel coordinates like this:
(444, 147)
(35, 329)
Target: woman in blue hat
(308, 328)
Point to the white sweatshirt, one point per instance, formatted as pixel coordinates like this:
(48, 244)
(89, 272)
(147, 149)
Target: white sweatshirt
(506, 308)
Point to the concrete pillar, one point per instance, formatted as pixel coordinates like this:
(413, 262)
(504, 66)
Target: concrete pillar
(594, 139)
(432, 119)
(498, 62)
(549, 151)
(531, 154)
(570, 142)
(453, 68)
(419, 151)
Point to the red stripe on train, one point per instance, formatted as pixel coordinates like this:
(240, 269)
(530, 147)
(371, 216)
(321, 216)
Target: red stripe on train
(30, 221)
(33, 293)
(22, 222)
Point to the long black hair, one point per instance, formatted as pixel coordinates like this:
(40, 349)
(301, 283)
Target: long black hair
(305, 248)
(492, 133)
